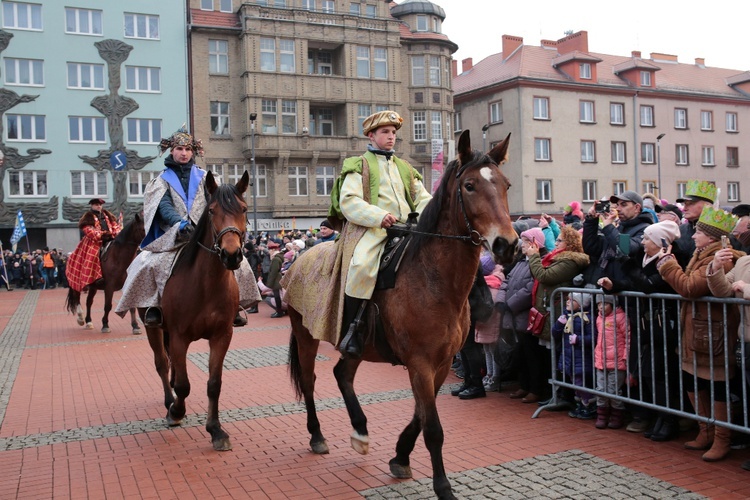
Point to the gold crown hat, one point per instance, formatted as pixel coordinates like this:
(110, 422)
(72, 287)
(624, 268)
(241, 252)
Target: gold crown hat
(181, 138)
(716, 222)
(381, 119)
(699, 191)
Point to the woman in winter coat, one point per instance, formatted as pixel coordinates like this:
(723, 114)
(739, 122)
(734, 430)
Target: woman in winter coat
(697, 346)
(487, 333)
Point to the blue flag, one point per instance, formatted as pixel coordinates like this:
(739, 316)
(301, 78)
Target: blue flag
(19, 231)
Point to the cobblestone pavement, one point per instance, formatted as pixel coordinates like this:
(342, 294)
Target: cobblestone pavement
(81, 416)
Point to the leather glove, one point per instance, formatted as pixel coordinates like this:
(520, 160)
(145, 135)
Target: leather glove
(185, 232)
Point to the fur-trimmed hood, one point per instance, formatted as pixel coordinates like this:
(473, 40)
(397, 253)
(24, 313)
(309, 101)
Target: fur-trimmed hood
(580, 258)
(89, 218)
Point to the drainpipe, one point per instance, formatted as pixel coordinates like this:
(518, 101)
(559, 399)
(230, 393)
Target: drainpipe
(636, 156)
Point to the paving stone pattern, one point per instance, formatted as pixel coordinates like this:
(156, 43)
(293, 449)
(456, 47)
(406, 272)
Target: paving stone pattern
(243, 359)
(12, 344)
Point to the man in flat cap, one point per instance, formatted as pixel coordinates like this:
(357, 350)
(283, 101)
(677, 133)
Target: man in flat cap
(98, 227)
(394, 191)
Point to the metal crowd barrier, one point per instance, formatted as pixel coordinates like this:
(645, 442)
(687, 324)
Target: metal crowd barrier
(664, 329)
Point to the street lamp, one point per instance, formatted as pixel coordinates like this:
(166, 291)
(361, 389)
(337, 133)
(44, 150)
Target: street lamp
(253, 116)
(658, 164)
(484, 137)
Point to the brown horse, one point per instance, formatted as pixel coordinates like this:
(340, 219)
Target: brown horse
(426, 316)
(120, 254)
(200, 301)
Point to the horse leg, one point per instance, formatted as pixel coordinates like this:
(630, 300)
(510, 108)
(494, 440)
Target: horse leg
(156, 341)
(107, 308)
(218, 345)
(180, 382)
(89, 301)
(79, 315)
(400, 465)
(134, 322)
(344, 372)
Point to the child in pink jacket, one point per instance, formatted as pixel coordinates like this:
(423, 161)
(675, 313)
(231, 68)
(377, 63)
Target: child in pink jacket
(610, 360)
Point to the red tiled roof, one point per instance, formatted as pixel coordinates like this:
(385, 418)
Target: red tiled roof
(215, 19)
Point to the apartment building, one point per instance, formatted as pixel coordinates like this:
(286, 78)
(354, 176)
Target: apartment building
(586, 125)
(288, 83)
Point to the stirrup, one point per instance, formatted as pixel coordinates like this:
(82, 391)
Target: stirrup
(153, 316)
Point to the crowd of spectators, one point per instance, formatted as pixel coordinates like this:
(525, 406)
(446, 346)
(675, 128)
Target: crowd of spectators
(40, 269)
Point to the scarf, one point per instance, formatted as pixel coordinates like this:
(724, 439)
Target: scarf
(571, 319)
(647, 259)
(546, 261)
(387, 154)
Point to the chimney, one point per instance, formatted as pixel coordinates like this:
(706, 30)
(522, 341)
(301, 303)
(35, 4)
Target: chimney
(466, 65)
(511, 43)
(548, 44)
(577, 41)
(658, 56)
(700, 62)
(636, 54)
(454, 67)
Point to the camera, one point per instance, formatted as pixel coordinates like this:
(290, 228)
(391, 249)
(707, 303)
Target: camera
(602, 207)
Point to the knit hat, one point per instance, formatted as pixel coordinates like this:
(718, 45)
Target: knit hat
(519, 227)
(573, 208)
(534, 234)
(289, 255)
(381, 119)
(667, 229)
(607, 299)
(699, 191)
(299, 244)
(716, 222)
(583, 299)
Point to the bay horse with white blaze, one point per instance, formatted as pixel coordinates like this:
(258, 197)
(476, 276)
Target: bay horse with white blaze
(426, 316)
(118, 257)
(200, 301)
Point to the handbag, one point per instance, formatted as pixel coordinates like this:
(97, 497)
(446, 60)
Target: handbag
(481, 304)
(537, 319)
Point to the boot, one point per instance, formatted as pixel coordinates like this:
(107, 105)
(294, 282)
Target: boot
(352, 343)
(152, 316)
(602, 417)
(239, 320)
(722, 435)
(616, 418)
(706, 433)
(668, 430)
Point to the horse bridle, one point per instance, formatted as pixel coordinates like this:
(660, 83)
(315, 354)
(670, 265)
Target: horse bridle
(215, 248)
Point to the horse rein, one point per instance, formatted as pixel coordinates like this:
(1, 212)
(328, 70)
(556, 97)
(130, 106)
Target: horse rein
(215, 248)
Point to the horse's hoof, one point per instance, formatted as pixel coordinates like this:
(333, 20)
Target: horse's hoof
(80, 321)
(136, 331)
(89, 326)
(320, 448)
(105, 329)
(360, 443)
(400, 471)
(171, 421)
(222, 444)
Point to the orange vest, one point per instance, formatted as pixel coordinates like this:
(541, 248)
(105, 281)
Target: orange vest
(48, 262)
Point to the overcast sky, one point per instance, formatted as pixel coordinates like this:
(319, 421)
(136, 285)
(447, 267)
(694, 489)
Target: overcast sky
(714, 30)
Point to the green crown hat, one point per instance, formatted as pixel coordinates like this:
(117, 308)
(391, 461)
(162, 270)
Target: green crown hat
(716, 222)
(699, 190)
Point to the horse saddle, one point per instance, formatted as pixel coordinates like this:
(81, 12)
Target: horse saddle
(399, 237)
(104, 251)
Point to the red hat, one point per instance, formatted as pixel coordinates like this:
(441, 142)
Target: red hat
(273, 244)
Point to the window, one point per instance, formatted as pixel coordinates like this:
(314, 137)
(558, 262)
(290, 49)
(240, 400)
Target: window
(354, 8)
(142, 79)
(88, 183)
(328, 6)
(681, 154)
(363, 111)
(731, 122)
(586, 110)
(422, 23)
(647, 152)
(144, 131)
(286, 56)
(619, 187)
(541, 108)
(733, 191)
(319, 62)
(218, 57)
(435, 71)
(217, 171)
(141, 26)
(22, 16)
(707, 156)
(321, 120)
(370, 10)
(589, 191)
(544, 190)
(27, 183)
(733, 157)
(588, 151)
(224, 5)
(420, 126)
(30, 128)
(137, 180)
(86, 76)
(437, 25)
(649, 186)
(207, 4)
(261, 180)
(647, 116)
(437, 125)
(297, 181)
(680, 118)
(618, 152)
(269, 123)
(288, 117)
(417, 71)
(363, 62)
(496, 112)
(616, 113)
(29, 72)
(645, 78)
(707, 120)
(542, 149)
(219, 118)
(681, 189)
(380, 60)
(324, 177)
(267, 54)
(584, 70)
(86, 129)
(235, 173)
(83, 21)
(457, 121)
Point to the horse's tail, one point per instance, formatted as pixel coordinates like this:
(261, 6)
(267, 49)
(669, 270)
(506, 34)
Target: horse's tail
(295, 369)
(73, 300)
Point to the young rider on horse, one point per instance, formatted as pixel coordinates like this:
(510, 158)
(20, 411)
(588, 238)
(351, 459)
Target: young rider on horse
(395, 191)
(172, 205)
(99, 226)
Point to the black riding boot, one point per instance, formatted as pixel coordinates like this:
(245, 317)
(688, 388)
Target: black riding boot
(152, 316)
(353, 321)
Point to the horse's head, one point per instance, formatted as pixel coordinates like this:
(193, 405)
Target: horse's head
(227, 212)
(483, 194)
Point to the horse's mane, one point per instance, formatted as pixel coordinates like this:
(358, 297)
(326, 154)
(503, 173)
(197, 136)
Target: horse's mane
(124, 236)
(226, 195)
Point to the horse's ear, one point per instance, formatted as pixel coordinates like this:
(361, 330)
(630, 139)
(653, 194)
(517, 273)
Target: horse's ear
(465, 153)
(210, 183)
(500, 152)
(244, 182)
